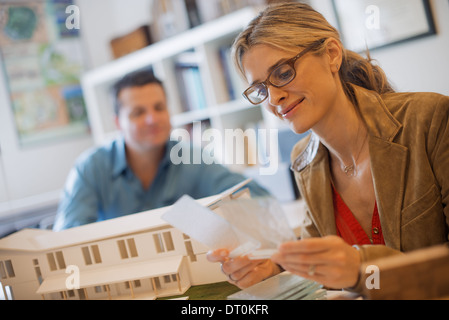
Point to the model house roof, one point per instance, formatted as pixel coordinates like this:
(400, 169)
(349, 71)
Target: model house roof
(115, 274)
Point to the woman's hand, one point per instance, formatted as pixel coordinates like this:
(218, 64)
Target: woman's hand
(328, 260)
(242, 271)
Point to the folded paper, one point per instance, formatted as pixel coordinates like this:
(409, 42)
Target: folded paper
(254, 227)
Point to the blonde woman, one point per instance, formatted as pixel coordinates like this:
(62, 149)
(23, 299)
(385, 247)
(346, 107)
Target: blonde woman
(374, 172)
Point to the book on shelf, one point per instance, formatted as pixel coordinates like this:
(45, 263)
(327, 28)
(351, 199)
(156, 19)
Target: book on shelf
(208, 9)
(193, 13)
(130, 42)
(196, 130)
(234, 82)
(190, 83)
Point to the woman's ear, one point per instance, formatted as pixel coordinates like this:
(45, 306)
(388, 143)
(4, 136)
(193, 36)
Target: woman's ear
(334, 50)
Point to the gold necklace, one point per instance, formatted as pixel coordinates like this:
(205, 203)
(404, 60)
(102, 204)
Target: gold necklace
(351, 170)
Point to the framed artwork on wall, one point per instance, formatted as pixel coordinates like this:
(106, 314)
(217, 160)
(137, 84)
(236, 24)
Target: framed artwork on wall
(43, 60)
(372, 24)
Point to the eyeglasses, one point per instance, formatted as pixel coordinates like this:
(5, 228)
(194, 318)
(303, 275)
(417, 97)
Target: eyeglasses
(279, 77)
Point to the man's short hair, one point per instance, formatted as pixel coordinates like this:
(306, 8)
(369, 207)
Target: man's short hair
(135, 79)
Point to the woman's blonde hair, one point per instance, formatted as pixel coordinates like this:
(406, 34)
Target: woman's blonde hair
(287, 26)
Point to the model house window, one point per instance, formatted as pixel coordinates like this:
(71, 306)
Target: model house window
(67, 294)
(156, 283)
(170, 278)
(82, 294)
(127, 248)
(136, 284)
(91, 252)
(2, 292)
(37, 270)
(6, 270)
(189, 248)
(100, 289)
(163, 242)
(56, 260)
(6, 293)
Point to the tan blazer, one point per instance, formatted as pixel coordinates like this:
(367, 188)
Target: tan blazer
(409, 150)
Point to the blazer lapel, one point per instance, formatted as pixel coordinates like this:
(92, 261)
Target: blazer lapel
(388, 164)
(318, 192)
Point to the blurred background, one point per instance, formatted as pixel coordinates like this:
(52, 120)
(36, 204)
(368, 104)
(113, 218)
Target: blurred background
(60, 57)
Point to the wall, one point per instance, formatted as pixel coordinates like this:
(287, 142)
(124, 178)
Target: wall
(103, 20)
(419, 65)
(32, 177)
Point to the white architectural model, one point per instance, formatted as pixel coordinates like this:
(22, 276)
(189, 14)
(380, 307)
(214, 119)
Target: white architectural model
(131, 257)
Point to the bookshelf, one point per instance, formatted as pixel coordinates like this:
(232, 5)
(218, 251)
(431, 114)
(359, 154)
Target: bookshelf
(200, 46)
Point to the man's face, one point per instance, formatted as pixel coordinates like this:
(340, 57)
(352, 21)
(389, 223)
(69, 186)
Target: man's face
(143, 117)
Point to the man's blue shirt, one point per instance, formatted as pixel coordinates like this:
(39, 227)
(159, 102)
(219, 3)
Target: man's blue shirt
(102, 186)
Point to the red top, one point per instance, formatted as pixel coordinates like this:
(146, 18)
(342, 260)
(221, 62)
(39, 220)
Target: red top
(350, 229)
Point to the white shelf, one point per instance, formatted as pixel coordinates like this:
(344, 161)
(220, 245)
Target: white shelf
(211, 112)
(185, 118)
(170, 47)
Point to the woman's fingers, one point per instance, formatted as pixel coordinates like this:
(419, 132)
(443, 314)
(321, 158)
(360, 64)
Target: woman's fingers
(244, 272)
(259, 272)
(328, 260)
(219, 255)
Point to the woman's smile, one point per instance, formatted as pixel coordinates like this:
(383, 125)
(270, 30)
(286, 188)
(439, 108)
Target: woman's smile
(289, 111)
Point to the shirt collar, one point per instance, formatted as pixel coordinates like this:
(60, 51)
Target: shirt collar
(379, 120)
(120, 164)
(119, 157)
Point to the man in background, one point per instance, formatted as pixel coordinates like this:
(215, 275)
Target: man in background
(133, 173)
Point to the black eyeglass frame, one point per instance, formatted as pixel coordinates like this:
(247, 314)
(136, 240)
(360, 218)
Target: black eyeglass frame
(291, 62)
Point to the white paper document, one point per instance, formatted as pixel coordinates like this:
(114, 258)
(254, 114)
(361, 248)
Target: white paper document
(254, 227)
